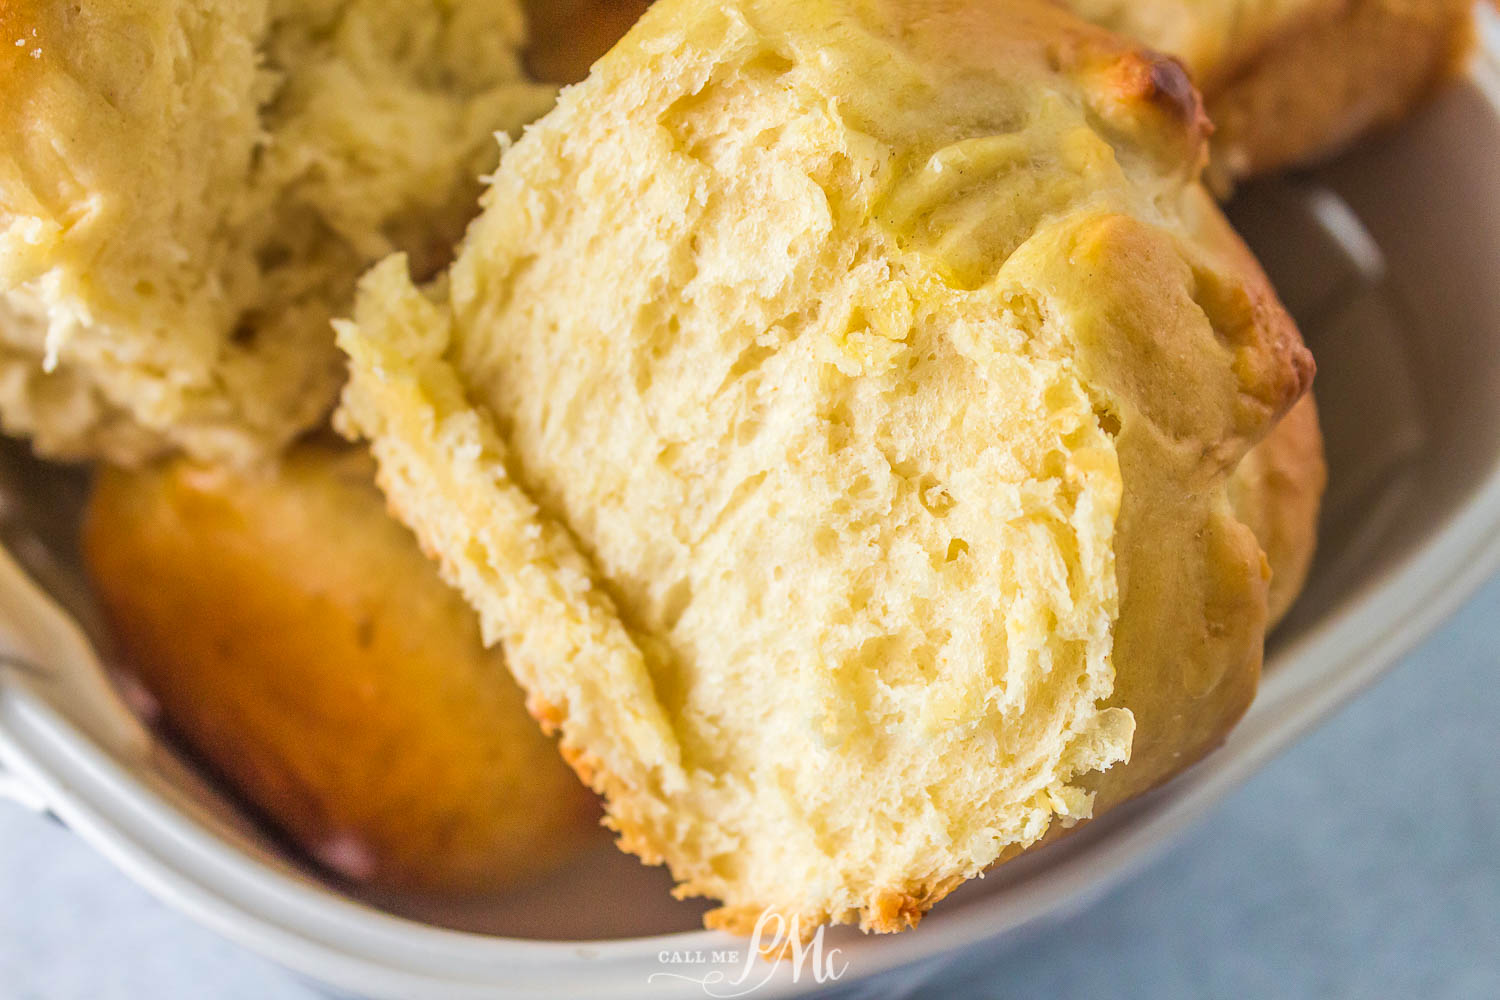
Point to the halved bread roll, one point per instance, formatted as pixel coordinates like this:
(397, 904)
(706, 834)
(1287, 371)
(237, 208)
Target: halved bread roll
(833, 412)
(188, 191)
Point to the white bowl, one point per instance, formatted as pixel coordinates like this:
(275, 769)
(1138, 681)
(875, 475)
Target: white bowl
(1390, 258)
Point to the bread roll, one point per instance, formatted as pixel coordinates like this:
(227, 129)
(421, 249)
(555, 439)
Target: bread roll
(299, 643)
(188, 191)
(833, 413)
(1291, 81)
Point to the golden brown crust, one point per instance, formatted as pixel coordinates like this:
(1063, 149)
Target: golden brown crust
(1187, 644)
(1277, 491)
(301, 646)
(1153, 84)
(1290, 81)
(1329, 75)
(1144, 95)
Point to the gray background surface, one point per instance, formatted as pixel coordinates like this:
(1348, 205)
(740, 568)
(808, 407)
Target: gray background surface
(1365, 862)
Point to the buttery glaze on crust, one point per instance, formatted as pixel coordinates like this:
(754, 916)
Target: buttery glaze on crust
(189, 189)
(833, 412)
